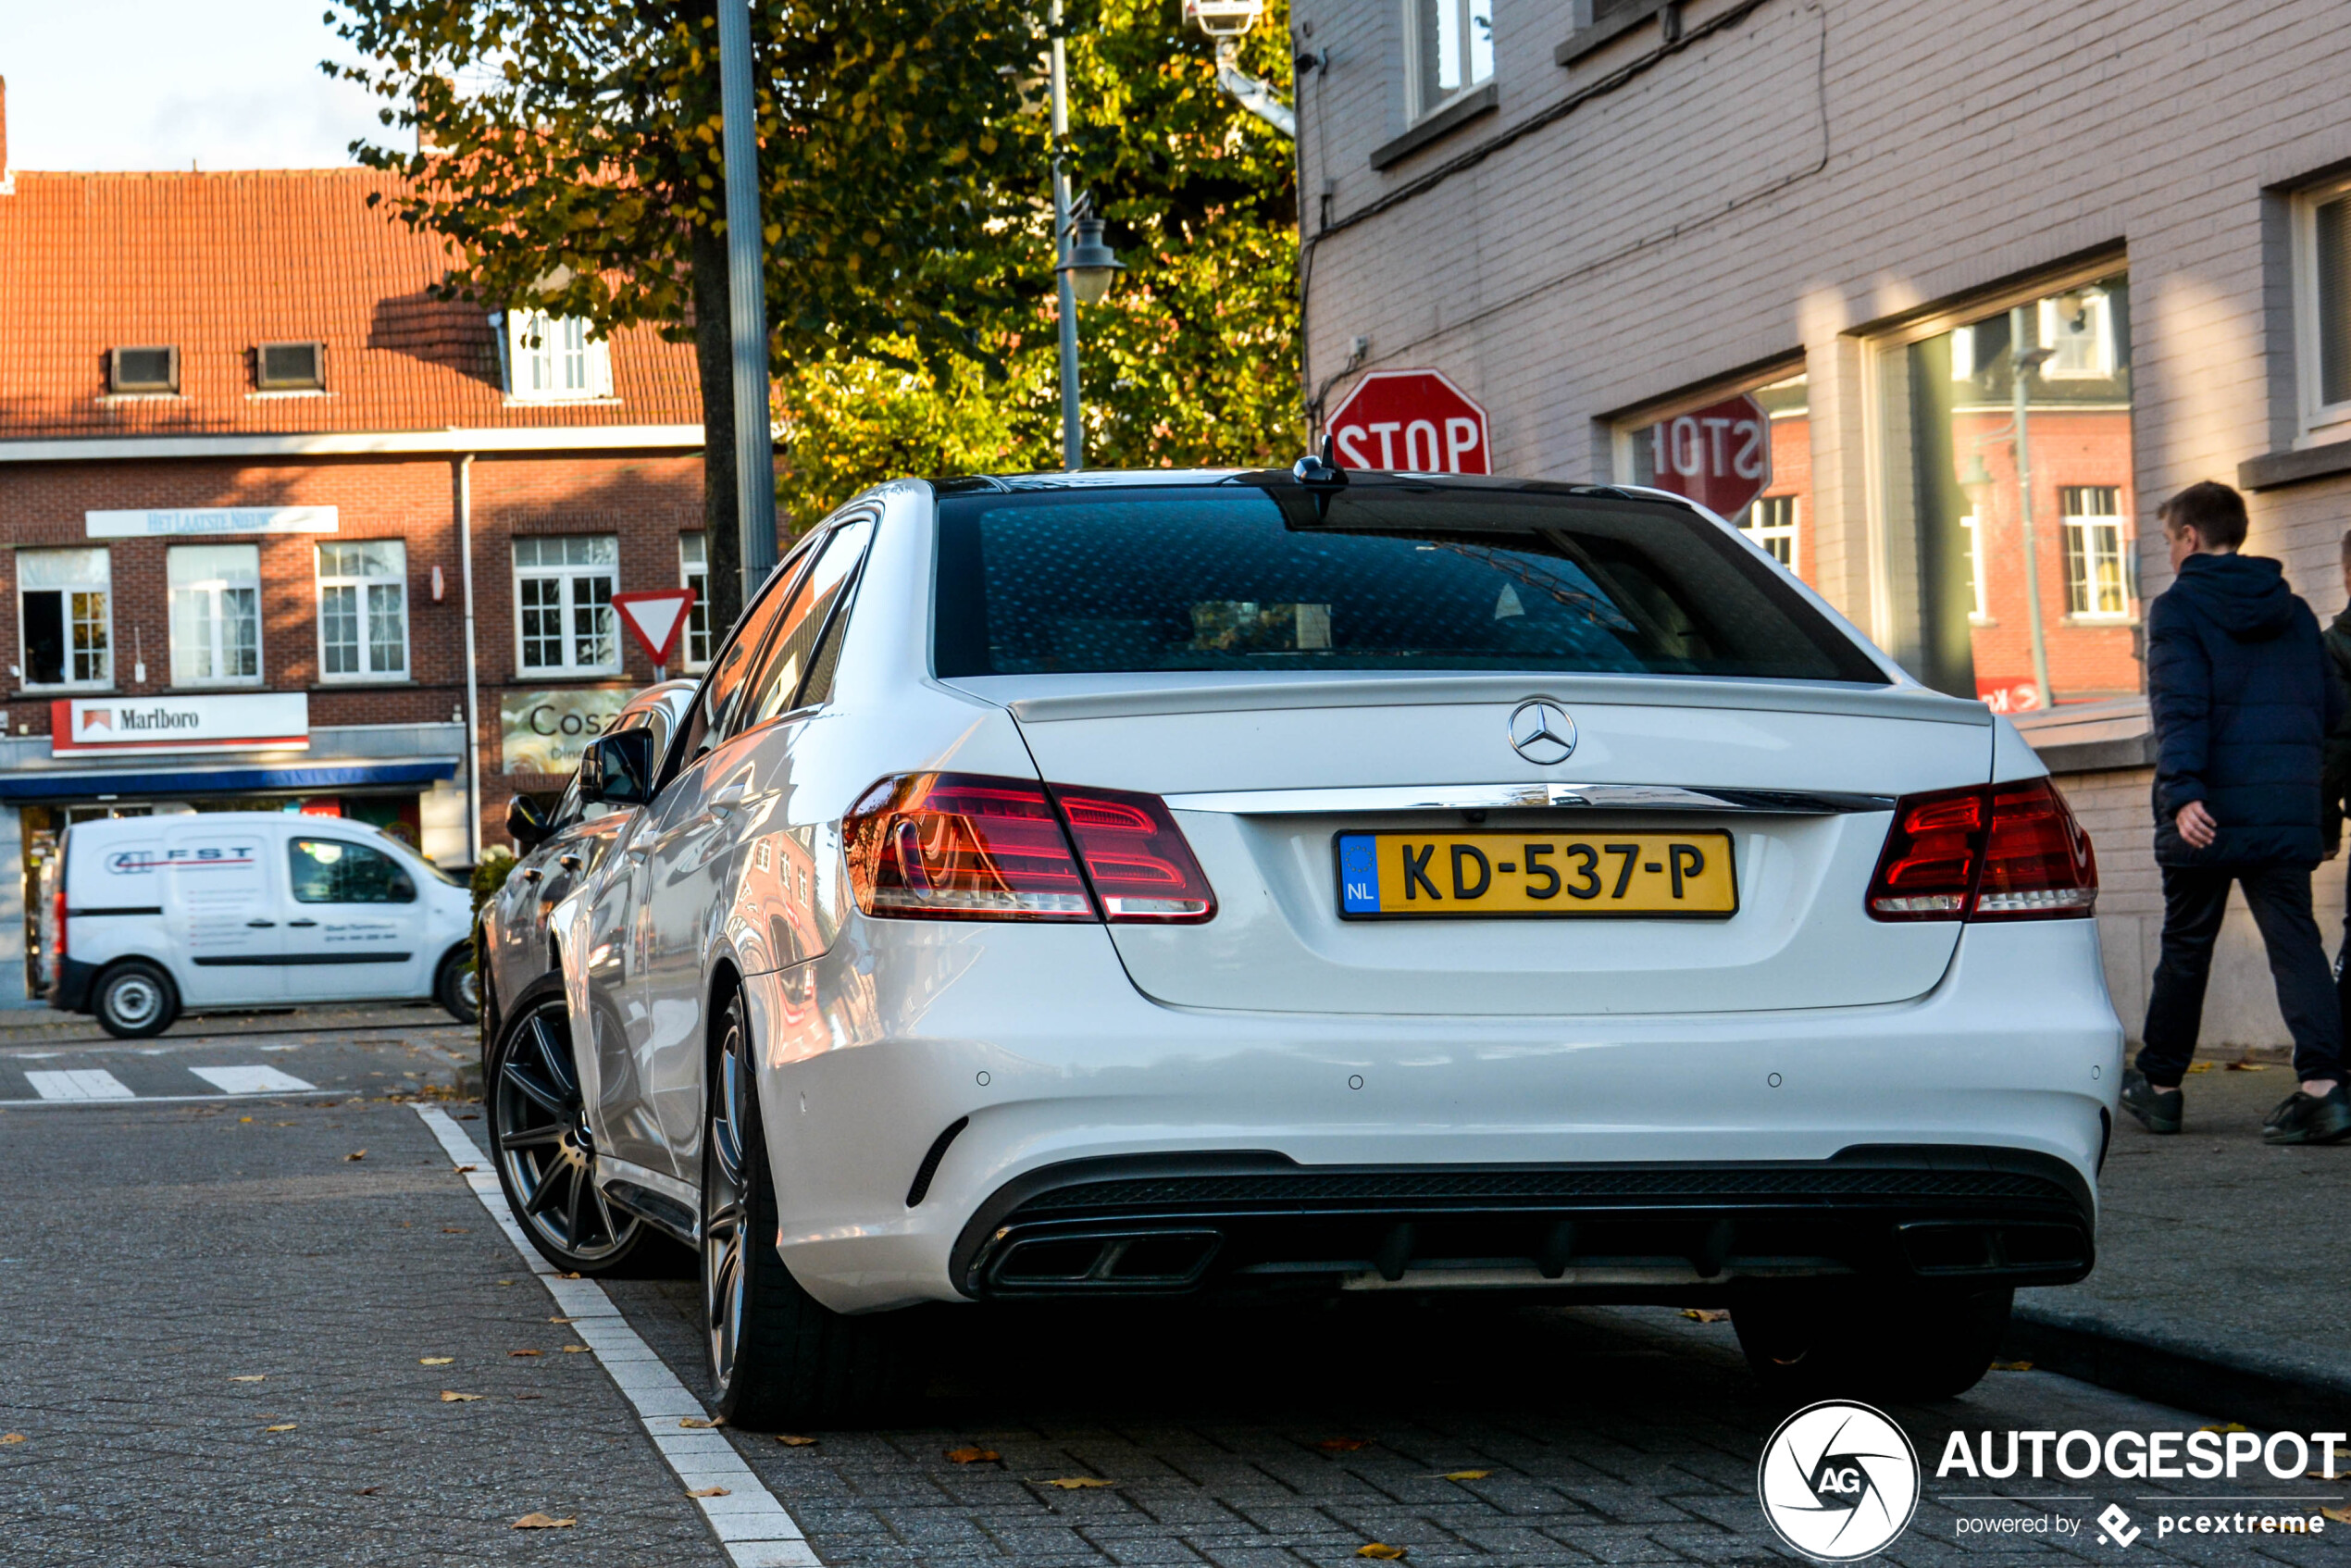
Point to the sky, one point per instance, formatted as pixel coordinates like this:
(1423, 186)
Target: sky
(162, 84)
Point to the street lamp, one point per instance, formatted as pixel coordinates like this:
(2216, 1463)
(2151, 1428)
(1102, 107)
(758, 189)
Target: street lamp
(1083, 264)
(2024, 362)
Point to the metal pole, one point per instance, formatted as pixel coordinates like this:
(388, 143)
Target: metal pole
(473, 685)
(1073, 431)
(2017, 372)
(747, 299)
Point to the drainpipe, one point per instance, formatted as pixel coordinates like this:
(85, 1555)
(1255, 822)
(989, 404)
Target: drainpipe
(473, 688)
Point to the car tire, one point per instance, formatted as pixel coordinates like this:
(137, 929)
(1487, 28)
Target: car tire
(778, 1356)
(457, 986)
(134, 1000)
(542, 1146)
(1891, 1342)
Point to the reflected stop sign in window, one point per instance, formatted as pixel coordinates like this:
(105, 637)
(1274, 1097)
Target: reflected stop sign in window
(1719, 456)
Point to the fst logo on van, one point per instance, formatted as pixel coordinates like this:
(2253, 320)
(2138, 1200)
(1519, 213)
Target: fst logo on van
(130, 862)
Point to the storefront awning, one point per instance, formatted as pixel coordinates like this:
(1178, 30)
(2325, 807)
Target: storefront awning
(155, 783)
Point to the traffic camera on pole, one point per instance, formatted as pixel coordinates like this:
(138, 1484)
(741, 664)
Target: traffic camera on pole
(1227, 21)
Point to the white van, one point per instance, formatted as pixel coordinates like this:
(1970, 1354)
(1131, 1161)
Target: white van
(147, 915)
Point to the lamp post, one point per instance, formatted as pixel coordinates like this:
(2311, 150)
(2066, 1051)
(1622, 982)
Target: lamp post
(1083, 264)
(747, 300)
(2023, 363)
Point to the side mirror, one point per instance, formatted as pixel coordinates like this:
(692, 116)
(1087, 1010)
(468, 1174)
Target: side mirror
(526, 823)
(617, 769)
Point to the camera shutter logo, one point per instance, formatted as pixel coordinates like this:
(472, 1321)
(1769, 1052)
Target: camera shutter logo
(1840, 1481)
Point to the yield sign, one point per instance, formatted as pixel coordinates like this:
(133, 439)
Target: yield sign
(654, 617)
(1411, 421)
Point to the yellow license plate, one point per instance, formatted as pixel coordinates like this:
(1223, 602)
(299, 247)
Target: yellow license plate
(1505, 873)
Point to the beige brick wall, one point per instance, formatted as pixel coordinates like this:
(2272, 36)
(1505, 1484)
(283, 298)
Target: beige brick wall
(1818, 166)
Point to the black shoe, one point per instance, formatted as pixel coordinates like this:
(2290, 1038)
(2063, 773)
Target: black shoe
(2156, 1111)
(2310, 1119)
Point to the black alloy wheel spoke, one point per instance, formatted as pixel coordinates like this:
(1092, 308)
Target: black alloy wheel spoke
(547, 1096)
(544, 1196)
(571, 1209)
(531, 1137)
(555, 1057)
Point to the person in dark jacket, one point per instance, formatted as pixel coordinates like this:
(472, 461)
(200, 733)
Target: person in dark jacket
(2243, 700)
(2335, 785)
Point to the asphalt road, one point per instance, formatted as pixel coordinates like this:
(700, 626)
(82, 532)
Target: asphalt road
(221, 1341)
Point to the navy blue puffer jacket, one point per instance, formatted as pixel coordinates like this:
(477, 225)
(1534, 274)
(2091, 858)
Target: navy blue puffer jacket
(2243, 699)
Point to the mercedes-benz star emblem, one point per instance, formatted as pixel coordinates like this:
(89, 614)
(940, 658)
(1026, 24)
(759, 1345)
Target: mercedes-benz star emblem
(1542, 733)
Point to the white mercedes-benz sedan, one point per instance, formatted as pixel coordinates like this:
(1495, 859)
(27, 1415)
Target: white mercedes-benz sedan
(1301, 882)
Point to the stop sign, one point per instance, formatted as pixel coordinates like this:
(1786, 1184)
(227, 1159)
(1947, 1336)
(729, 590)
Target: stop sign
(1718, 456)
(1414, 421)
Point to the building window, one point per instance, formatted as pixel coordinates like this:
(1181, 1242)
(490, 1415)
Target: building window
(143, 371)
(2097, 570)
(693, 571)
(290, 366)
(2077, 328)
(1976, 610)
(65, 609)
(2323, 306)
(363, 610)
(1453, 51)
(1771, 522)
(563, 605)
(216, 612)
(553, 359)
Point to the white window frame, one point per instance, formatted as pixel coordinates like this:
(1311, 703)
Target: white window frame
(216, 620)
(553, 359)
(1769, 534)
(361, 587)
(2321, 421)
(1422, 97)
(1978, 615)
(570, 574)
(2099, 312)
(694, 574)
(104, 678)
(2079, 531)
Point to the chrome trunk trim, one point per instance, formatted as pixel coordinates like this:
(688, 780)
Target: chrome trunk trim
(1539, 796)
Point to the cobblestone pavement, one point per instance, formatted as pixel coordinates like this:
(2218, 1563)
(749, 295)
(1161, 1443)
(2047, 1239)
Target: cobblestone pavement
(161, 1256)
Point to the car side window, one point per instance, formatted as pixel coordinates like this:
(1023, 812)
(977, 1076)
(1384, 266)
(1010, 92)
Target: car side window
(706, 722)
(331, 871)
(777, 685)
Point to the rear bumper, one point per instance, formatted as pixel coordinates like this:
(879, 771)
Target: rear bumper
(69, 993)
(1181, 1223)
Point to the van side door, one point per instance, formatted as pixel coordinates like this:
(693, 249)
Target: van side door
(222, 914)
(356, 922)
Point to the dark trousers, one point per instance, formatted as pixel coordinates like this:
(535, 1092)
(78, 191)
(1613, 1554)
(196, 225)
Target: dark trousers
(2195, 897)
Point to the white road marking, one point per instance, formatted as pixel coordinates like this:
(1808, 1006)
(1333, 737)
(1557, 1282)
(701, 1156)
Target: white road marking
(79, 1083)
(251, 1080)
(754, 1527)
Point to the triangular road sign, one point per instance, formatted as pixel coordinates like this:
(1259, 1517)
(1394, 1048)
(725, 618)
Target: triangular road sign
(655, 617)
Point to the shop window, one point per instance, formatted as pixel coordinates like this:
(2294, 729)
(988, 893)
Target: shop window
(2323, 308)
(363, 610)
(2096, 560)
(693, 571)
(1723, 453)
(563, 617)
(2005, 584)
(331, 871)
(1453, 51)
(65, 610)
(216, 614)
(553, 359)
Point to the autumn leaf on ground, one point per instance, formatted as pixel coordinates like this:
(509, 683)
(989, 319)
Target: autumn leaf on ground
(434, 1361)
(284, 1427)
(461, 1170)
(973, 1456)
(360, 1155)
(1075, 1483)
(2201, 1067)
(558, 1276)
(2249, 1066)
(452, 1230)
(450, 1397)
(2226, 1426)
(793, 1440)
(1465, 1475)
(560, 1319)
(2340, 1515)
(2011, 1366)
(243, 1119)
(574, 1350)
(1384, 1551)
(709, 1492)
(250, 1377)
(541, 1522)
(366, 1491)
(11, 1437)
(526, 1352)
(695, 1423)
(1706, 1314)
(1341, 1445)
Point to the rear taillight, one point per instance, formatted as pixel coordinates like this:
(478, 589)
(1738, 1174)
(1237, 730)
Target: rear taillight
(957, 846)
(1999, 852)
(57, 905)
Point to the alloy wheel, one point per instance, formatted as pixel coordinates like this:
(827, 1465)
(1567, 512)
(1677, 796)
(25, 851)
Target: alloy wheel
(725, 1193)
(134, 1000)
(540, 1120)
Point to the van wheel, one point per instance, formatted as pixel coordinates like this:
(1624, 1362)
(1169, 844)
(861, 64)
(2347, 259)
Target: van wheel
(1894, 1342)
(458, 986)
(134, 1000)
(778, 1356)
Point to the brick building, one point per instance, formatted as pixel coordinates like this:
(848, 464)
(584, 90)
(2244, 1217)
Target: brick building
(2129, 224)
(241, 449)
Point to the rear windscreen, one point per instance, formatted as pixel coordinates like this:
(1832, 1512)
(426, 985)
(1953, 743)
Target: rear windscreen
(1242, 577)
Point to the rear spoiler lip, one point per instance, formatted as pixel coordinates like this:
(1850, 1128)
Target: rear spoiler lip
(1218, 693)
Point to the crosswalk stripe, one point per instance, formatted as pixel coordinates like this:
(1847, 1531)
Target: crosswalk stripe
(79, 1083)
(251, 1080)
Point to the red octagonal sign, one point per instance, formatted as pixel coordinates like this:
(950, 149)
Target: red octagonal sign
(1413, 422)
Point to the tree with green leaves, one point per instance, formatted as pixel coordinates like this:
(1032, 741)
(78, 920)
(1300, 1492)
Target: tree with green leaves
(570, 151)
